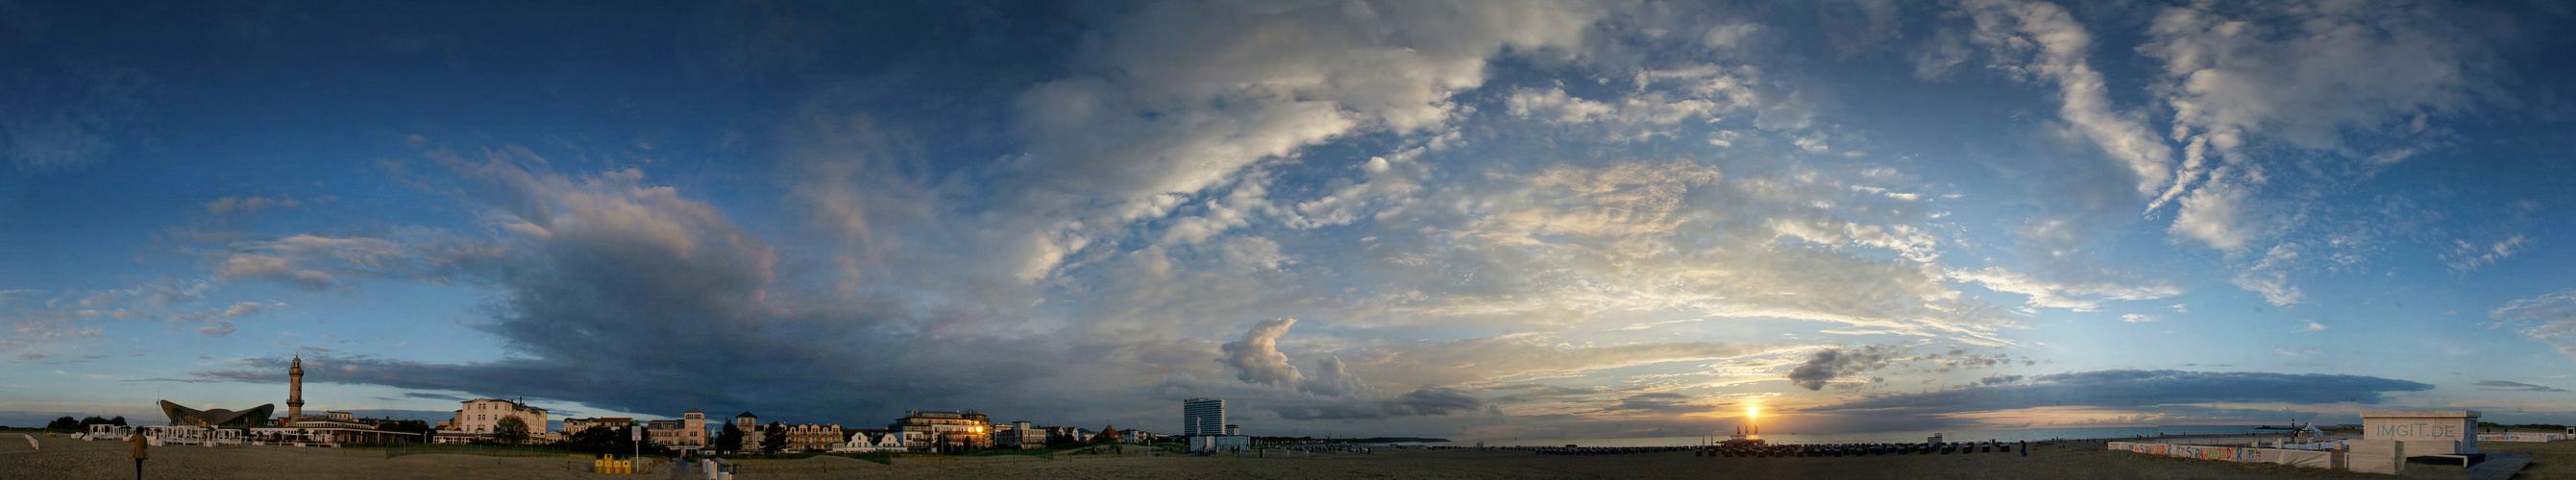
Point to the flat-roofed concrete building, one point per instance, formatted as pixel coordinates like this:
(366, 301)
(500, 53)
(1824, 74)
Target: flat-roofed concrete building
(1202, 416)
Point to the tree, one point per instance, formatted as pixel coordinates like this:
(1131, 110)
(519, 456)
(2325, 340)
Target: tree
(412, 426)
(65, 423)
(510, 430)
(599, 439)
(775, 439)
(85, 422)
(729, 440)
(118, 421)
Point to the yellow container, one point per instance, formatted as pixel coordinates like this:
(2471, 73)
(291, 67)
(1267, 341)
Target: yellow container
(604, 464)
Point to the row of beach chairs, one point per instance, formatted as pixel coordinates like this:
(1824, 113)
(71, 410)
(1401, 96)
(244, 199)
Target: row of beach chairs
(1606, 450)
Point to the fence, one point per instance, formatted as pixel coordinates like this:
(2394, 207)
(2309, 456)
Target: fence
(2521, 437)
(2298, 458)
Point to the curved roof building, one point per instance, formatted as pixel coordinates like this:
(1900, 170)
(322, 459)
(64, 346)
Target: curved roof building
(184, 416)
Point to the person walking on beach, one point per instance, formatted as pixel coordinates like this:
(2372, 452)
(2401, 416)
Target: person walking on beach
(139, 443)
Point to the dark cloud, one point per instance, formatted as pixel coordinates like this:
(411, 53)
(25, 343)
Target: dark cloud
(606, 273)
(1832, 363)
(1657, 403)
(2137, 388)
(433, 396)
(1430, 401)
(1533, 392)
(2515, 386)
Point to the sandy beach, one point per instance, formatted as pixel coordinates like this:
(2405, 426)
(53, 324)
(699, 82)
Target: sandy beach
(64, 458)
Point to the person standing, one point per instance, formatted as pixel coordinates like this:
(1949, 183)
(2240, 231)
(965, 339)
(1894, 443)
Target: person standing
(139, 444)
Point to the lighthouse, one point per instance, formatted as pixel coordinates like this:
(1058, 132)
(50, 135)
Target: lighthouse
(294, 392)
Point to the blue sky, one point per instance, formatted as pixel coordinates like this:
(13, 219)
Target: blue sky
(1476, 220)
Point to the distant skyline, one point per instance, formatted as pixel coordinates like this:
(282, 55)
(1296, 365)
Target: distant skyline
(1470, 220)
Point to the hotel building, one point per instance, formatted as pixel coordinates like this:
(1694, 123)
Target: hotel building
(1021, 435)
(752, 433)
(481, 417)
(687, 433)
(1202, 416)
(802, 438)
(948, 431)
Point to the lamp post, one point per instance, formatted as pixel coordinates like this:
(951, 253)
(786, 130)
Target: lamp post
(635, 435)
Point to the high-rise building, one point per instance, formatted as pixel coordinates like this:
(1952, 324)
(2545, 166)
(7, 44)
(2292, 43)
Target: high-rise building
(1202, 416)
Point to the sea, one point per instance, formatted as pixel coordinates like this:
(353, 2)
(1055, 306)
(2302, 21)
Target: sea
(2034, 434)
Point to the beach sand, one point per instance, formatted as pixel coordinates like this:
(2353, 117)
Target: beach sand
(71, 459)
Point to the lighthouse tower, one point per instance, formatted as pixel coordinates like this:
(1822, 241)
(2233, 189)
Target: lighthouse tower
(295, 392)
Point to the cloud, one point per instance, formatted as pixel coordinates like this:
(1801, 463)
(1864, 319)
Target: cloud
(2515, 386)
(2137, 318)
(2040, 39)
(2465, 256)
(1256, 359)
(2273, 285)
(585, 268)
(220, 328)
(1635, 236)
(67, 114)
(1431, 401)
(2138, 388)
(2066, 295)
(231, 206)
(1832, 363)
(245, 308)
(73, 315)
(2313, 76)
(1657, 403)
(1174, 99)
(2549, 318)
(1663, 100)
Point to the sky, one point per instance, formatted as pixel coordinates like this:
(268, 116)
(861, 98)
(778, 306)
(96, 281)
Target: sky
(1477, 220)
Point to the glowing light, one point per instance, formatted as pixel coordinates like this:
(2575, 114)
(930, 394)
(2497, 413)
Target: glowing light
(1752, 412)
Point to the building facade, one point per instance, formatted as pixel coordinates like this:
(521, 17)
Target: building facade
(482, 416)
(687, 433)
(806, 438)
(751, 432)
(1021, 435)
(1202, 416)
(948, 431)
